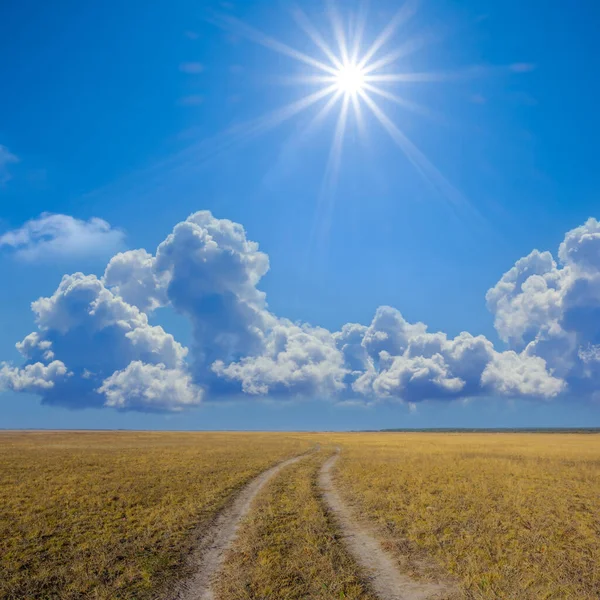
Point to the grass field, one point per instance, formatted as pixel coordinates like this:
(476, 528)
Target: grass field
(111, 515)
(510, 516)
(114, 515)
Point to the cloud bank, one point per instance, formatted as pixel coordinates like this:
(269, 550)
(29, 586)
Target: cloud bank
(94, 344)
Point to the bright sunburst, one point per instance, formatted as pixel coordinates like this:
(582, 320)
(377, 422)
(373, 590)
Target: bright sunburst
(350, 79)
(354, 76)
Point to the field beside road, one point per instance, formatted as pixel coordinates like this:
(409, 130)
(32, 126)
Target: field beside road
(510, 516)
(112, 515)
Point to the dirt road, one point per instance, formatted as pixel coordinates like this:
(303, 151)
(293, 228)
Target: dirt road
(214, 543)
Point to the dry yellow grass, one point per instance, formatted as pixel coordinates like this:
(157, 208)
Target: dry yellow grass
(111, 515)
(510, 516)
(287, 549)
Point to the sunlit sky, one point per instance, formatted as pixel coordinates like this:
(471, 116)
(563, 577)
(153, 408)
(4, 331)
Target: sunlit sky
(373, 154)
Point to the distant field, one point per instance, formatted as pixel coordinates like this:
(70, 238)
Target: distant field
(511, 516)
(109, 515)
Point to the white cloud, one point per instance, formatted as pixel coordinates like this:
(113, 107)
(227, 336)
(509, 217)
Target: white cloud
(589, 353)
(132, 276)
(581, 246)
(94, 333)
(410, 378)
(403, 361)
(513, 374)
(33, 378)
(526, 298)
(142, 386)
(53, 237)
(389, 331)
(213, 271)
(97, 331)
(6, 159)
(552, 311)
(298, 360)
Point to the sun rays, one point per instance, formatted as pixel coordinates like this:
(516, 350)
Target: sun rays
(352, 76)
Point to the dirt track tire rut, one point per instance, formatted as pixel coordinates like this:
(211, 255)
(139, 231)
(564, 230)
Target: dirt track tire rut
(215, 541)
(384, 577)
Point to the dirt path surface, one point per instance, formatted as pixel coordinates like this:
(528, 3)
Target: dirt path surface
(385, 578)
(216, 540)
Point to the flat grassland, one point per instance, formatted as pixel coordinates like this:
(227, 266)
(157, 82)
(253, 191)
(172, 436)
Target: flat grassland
(510, 516)
(112, 515)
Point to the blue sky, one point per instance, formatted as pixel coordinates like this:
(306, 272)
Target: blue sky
(124, 114)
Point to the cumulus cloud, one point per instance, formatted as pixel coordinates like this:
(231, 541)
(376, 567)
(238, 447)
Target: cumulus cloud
(581, 246)
(33, 378)
(526, 298)
(409, 378)
(132, 276)
(390, 332)
(94, 344)
(212, 271)
(297, 360)
(406, 362)
(53, 237)
(552, 310)
(94, 333)
(142, 386)
(513, 374)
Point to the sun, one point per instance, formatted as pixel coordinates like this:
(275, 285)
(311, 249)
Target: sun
(355, 78)
(350, 79)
